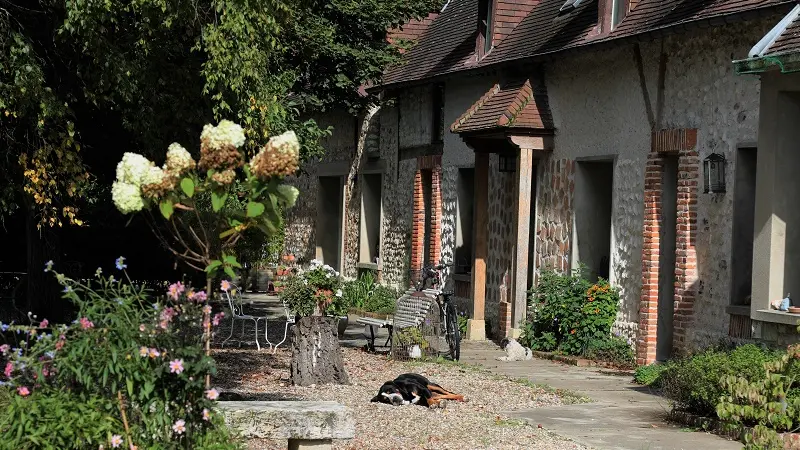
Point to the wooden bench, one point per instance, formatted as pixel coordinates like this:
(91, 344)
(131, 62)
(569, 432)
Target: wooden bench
(410, 311)
(305, 424)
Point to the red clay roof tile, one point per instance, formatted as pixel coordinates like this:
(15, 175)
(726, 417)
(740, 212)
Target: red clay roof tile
(513, 103)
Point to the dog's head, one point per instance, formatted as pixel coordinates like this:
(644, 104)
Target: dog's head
(504, 343)
(390, 394)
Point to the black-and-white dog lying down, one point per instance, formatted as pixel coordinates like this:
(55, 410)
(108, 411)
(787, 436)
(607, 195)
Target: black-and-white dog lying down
(412, 388)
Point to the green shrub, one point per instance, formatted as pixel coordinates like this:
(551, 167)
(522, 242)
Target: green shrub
(650, 375)
(316, 290)
(615, 350)
(571, 311)
(131, 368)
(695, 384)
(382, 300)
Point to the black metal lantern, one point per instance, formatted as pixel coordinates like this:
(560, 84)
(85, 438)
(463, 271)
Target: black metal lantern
(714, 174)
(508, 163)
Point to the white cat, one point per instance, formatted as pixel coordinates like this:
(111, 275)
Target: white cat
(514, 351)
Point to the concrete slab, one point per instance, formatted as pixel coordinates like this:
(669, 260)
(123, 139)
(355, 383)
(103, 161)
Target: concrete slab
(623, 415)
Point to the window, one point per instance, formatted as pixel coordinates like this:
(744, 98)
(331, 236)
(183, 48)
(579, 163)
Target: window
(438, 114)
(618, 11)
(485, 26)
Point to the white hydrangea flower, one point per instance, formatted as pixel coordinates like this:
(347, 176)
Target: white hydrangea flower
(225, 133)
(133, 169)
(286, 143)
(315, 263)
(178, 158)
(127, 197)
(338, 292)
(154, 176)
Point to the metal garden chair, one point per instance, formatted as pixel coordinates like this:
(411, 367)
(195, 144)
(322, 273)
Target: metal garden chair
(234, 297)
(289, 321)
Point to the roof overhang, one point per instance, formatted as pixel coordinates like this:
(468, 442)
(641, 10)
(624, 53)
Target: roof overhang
(788, 62)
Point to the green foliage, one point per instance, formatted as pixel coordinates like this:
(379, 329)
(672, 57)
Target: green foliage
(128, 358)
(358, 291)
(571, 312)
(767, 401)
(410, 336)
(615, 350)
(696, 384)
(650, 375)
(163, 68)
(382, 301)
(463, 319)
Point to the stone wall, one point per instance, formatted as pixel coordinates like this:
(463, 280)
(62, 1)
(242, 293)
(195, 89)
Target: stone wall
(499, 269)
(599, 112)
(554, 214)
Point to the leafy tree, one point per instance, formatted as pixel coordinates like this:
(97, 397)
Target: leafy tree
(154, 71)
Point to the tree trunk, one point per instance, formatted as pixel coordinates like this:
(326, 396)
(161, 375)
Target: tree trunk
(316, 356)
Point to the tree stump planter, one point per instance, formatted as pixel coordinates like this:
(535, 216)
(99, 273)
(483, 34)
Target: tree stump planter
(316, 355)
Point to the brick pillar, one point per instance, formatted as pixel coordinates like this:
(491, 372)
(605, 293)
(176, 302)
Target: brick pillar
(683, 143)
(436, 214)
(685, 254)
(417, 227)
(648, 307)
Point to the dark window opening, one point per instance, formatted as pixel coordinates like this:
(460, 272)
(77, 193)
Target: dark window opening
(464, 221)
(485, 26)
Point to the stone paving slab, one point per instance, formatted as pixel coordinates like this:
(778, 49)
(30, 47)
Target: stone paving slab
(623, 415)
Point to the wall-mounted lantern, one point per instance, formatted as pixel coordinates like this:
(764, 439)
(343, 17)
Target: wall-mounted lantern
(714, 174)
(508, 163)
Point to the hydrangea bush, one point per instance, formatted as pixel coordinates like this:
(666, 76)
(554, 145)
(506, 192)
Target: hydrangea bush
(127, 373)
(180, 187)
(315, 290)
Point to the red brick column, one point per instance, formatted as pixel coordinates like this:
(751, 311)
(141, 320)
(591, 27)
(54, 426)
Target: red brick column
(648, 307)
(436, 215)
(434, 164)
(417, 227)
(686, 275)
(683, 143)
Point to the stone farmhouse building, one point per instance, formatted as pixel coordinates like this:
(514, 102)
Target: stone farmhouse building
(620, 134)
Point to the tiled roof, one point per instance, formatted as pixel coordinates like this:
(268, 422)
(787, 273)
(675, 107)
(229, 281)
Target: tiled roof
(449, 42)
(544, 30)
(445, 46)
(508, 14)
(412, 30)
(651, 15)
(512, 104)
(783, 38)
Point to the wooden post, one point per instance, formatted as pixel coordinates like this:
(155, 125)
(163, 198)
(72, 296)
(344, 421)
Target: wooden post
(519, 298)
(476, 327)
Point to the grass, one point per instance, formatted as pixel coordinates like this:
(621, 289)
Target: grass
(500, 422)
(568, 397)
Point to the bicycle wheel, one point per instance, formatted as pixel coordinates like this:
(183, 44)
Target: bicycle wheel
(453, 333)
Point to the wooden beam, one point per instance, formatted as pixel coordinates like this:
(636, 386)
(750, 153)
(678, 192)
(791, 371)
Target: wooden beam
(481, 206)
(524, 175)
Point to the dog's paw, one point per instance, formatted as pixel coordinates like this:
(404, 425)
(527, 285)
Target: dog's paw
(442, 404)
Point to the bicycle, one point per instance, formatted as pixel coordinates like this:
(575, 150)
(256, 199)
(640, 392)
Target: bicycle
(447, 310)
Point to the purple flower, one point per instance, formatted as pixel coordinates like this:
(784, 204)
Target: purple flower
(48, 266)
(120, 263)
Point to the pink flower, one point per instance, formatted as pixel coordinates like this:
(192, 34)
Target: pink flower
(175, 290)
(225, 285)
(143, 352)
(179, 427)
(142, 328)
(153, 353)
(217, 318)
(176, 366)
(4, 348)
(23, 391)
(116, 441)
(44, 323)
(212, 394)
(206, 309)
(86, 323)
(8, 370)
(206, 414)
(198, 296)
(59, 345)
